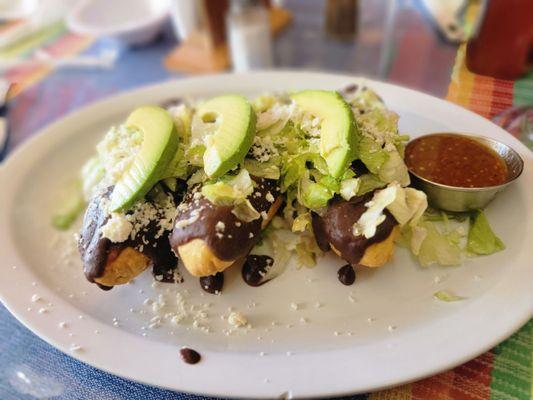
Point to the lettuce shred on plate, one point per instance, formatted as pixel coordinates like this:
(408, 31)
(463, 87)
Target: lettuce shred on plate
(286, 148)
(447, 296)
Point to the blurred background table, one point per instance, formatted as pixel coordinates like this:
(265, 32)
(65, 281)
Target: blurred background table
(411, 54)
(396, 42)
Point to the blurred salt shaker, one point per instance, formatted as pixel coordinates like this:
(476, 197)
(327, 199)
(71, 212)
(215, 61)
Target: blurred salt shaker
(185, 17)
(248, 30)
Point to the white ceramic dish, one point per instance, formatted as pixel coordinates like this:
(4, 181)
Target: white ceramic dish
(135, 22)
(385, 330)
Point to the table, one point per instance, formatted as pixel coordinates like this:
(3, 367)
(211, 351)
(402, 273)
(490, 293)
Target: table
(30, 368)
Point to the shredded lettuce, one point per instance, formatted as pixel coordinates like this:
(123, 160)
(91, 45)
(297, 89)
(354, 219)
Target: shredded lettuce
(368, 183)
(229, 189)
(394, 169)
(307, 251)
(405, 204)
(69, 206)
(418, 235)
(445, 238)
(245, 211)
(447, 296)
(178, 166)
(298, 167)
(92, 174)
(437, 247)
(481, 238)
(372, 154)
(264, 102)
(301, 222)
(349, 188)
(432, 214)
(313, 195)
(408, 206)
(268, 170)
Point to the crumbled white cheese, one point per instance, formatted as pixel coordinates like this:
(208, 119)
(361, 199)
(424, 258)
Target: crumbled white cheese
(373, 216)
(117, 151)
(263, 148)
(269, 197)
(237, 319)
(117, 228)
(220, 226)
(349, 188)
(195, 214)
(75, 348)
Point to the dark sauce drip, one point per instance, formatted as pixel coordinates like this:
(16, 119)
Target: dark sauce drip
(346, 275)
(190, 356)
(103, 287)
(334, 228)
(237, 237)
(255, 268)
(351, 88)
(97, 251)
(172, 102)
(164, 261)
(212, 284)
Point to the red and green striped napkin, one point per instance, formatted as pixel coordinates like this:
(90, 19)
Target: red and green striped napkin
(54, 38)
(485, 95)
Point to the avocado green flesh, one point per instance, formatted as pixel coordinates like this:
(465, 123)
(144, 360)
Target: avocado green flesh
(159, 145)
(338, 129)
(227, 147)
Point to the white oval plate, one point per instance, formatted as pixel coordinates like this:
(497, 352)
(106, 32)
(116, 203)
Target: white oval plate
(385, 330)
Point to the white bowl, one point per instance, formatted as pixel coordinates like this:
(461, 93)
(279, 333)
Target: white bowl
(134, 22)
(17, 9)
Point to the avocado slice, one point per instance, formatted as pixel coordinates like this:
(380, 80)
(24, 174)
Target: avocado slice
(338, 128)
(233, 134)
(159, 144)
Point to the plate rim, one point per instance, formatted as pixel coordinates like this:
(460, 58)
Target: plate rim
(16, 308)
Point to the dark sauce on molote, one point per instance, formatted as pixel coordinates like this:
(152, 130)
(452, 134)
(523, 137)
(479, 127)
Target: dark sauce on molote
(455, 161)
(96, 251)
(346, 275)
(212, 284)
(237, 237)
(190, 356)
(255, 268)
(334, 228)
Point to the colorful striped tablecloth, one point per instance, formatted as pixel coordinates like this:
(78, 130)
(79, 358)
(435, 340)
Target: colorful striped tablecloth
(54, 38)
(485, 95)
